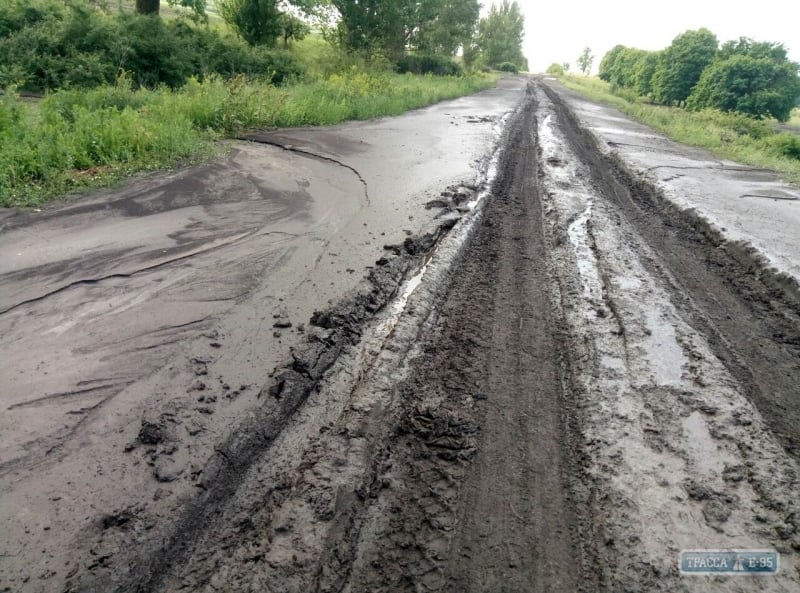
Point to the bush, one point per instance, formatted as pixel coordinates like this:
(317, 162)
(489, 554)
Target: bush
(508, 67)
(81, 47)
(785, 145)
(20, 14)
(555, 69)
(421, 64)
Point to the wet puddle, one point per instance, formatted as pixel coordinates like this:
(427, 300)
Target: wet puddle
(664, 354)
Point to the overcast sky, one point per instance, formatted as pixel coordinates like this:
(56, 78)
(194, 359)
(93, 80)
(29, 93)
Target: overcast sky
(558, 30)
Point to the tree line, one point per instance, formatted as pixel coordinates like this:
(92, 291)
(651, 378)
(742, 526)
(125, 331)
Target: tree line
(51, 44)
(755, 78)
(392, 28)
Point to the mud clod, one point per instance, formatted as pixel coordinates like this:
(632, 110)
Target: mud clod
(156, 427)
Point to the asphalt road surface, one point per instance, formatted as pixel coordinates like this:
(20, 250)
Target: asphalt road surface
(509, 343)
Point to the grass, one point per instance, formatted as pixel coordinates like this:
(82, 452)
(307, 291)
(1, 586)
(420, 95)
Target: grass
(77, 139)
(795, 119)
(728, 135)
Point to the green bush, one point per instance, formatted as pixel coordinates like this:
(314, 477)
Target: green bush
(422, 64)
(20, 14)
(555, 69)
(82, 47)
(785, 145)
(508, 67)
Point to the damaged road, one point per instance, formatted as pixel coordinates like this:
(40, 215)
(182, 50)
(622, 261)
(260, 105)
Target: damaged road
(557, 380)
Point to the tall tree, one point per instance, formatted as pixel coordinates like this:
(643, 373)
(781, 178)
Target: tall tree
(442, 26)
(500, 35)
(758, 86)
(608, 63)
(643, 70)
(366, 25)
(755, 49)
(585, 60)
(681, 64)
(257, 21)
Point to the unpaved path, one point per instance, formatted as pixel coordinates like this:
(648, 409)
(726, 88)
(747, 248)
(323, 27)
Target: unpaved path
(565, 383)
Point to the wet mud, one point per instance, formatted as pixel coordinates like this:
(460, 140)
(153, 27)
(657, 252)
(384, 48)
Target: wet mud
(561, 380)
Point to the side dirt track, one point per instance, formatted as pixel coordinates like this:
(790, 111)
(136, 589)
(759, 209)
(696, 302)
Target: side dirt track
(586, 381)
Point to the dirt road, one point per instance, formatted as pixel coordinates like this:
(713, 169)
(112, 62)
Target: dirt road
(557, 381)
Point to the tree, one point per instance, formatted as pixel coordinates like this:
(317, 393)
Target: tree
(258, 22)
(643, 71)
(681, 64)
(757, 86)
(565, 66)
(756, 49)
(292, 27)
(618, 65)
(609, 62)
(367, 25)
(585, 61)
(500, 35)
(441, 26)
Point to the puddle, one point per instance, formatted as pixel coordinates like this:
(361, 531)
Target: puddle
(553, 148)
(399, 304)
(704, 453)
(628, 282)
(664, 354)
(491, 169)
(578, 233)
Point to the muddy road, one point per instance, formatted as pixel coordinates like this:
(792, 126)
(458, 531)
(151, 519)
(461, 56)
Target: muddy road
(566, 373)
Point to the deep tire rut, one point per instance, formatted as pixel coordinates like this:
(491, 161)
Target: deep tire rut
(750, 317)
(479, 497)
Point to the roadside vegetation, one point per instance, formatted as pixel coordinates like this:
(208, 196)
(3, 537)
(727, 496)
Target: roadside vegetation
(89, 93)
(729, 99)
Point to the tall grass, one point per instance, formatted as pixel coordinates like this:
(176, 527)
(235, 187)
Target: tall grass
(728, 135)
(75, 139)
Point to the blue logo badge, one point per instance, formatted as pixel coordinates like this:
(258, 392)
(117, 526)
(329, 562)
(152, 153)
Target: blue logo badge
(733, 562)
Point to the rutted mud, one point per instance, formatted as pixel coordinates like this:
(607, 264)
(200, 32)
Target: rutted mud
(678, 455)
(564, 383)
(127, 386)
